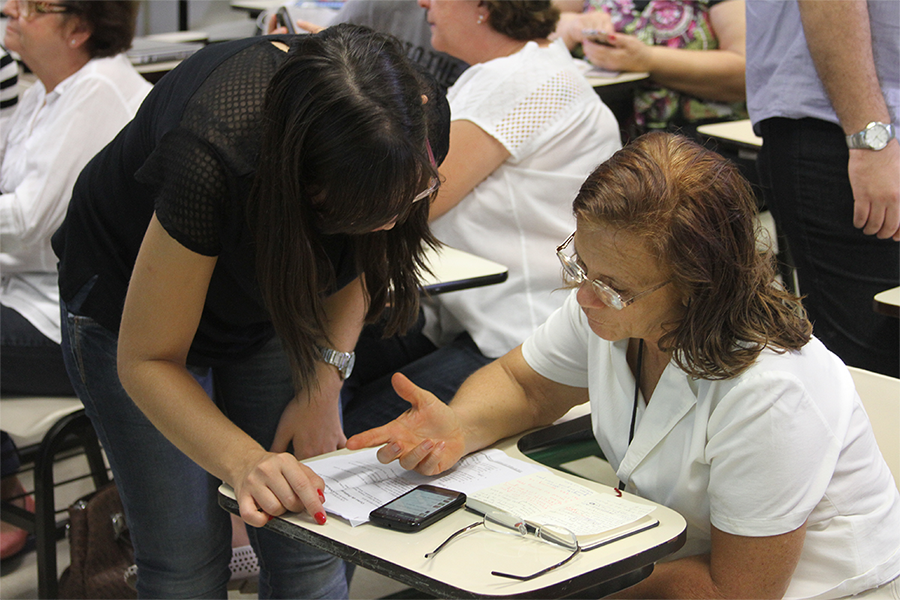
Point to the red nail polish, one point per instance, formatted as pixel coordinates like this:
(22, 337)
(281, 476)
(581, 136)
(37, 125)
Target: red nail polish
(320, 518)
(270, 518)
(321, 495)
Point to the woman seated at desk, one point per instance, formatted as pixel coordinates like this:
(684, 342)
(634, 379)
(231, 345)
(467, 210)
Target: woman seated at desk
(708, 392)
(85, 91)
(692, 49)
(526, 130)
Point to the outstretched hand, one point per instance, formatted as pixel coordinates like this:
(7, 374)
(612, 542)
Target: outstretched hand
(427, 438)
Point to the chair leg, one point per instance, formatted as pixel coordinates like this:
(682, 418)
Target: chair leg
(46, 529)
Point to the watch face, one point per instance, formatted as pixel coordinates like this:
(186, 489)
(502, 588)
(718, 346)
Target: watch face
(877, 136)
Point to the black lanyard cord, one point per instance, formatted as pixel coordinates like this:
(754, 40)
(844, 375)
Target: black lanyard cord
(637, 391)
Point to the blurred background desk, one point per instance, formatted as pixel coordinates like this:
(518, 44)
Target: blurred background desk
(738, 134)
(888, 302)
(617, 91)
(454, 270)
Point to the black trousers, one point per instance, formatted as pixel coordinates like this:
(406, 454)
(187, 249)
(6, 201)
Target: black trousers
(803, 176)
(30, 363)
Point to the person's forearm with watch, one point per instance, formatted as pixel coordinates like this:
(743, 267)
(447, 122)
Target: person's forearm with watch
(847, 71)
(312, 422)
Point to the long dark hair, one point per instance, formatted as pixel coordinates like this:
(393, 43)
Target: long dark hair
(344, 151)
(693, 208)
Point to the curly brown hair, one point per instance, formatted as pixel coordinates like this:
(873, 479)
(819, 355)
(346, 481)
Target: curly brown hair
(112, 24)
(696, 212)
(522, 20)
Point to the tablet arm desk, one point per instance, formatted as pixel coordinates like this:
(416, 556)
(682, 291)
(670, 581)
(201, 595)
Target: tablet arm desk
(465, 572)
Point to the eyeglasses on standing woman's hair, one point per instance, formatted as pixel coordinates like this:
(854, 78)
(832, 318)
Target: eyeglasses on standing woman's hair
(574, 274)
(29, 9)
(501, 522)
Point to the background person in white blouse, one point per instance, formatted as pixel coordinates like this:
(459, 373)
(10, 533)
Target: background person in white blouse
(85, 92)
(526, 130)
(708, 393)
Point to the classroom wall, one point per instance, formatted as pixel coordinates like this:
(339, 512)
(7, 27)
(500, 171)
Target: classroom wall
(161, 16)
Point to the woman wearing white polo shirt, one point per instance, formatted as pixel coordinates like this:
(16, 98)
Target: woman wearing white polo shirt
(708, 392)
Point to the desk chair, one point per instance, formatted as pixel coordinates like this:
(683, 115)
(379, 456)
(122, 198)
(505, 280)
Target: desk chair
(570, 446)
(880, 396)
(44, 430)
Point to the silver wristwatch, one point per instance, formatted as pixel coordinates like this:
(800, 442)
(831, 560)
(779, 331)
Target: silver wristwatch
(344, 361)
(874, 137)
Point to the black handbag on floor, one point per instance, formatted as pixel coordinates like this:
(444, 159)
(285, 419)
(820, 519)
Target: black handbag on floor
(100, 548)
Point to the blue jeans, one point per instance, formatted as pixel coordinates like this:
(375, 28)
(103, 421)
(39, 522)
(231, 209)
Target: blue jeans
(803, 174)
(182, 538)
(369, 399)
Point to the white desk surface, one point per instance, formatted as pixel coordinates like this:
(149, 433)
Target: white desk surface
(600, 81)
(254, 6)
(454, 269)
(888, 302)
(464, 568)
(740, 132)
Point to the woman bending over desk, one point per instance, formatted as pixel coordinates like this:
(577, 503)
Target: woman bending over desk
(265, 201)
(708, 392)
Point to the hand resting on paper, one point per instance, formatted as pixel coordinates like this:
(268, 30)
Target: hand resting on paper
(276, 483)
(427, 438)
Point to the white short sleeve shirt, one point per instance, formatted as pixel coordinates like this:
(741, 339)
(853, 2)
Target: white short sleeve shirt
(785, 442)
(540, 107)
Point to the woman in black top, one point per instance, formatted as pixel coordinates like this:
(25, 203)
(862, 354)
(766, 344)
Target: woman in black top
(261, 206)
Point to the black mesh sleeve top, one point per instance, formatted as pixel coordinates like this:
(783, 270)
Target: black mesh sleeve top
(189, 155)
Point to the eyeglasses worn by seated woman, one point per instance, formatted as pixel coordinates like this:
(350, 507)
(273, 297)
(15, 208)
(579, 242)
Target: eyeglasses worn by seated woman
(29, 9)
(574, 274)
(506, 523)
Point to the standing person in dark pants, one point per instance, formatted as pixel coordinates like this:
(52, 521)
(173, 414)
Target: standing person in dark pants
(826, 103)
(270, 196)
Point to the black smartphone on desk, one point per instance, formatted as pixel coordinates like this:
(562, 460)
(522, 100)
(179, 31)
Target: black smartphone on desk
(418, 508)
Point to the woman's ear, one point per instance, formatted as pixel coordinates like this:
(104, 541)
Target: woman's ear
(77, 32)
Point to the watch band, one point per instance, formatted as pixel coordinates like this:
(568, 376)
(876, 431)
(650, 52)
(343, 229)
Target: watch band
(875, 136)
(344, 361)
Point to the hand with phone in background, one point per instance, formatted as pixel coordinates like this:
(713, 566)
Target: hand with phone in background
(418, 508)
(293, 20)
(596, 36)
(283, 19)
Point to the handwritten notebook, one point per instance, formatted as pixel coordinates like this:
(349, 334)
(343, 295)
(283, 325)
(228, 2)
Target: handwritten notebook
(547, 499)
